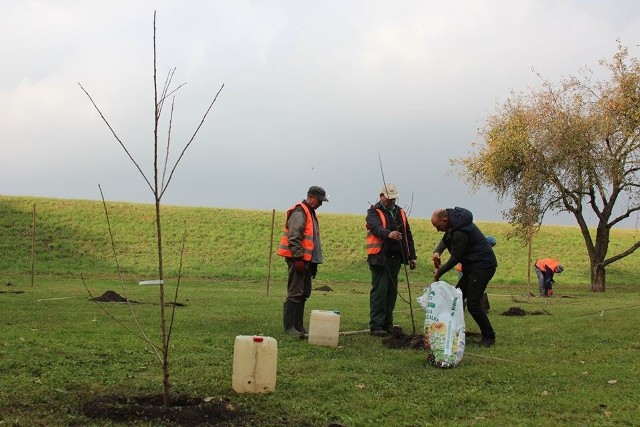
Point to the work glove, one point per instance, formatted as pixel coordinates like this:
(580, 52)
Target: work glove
(313, 269)
(298, 265)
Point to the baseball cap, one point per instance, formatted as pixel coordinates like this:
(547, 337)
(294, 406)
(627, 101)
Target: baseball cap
(318, 192)
(390, 191)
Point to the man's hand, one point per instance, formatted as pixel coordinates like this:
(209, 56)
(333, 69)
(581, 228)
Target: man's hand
(313, 269)
(413, 264)
(395, 235)
(298, 265)
(436, 260)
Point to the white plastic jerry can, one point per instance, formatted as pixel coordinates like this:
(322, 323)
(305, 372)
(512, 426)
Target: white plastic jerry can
(324, 327)
(255, 361)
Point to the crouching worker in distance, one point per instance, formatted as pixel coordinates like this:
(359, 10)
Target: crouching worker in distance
(545, 269)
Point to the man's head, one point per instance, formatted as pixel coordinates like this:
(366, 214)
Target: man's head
(389, 195)
(315, 196)
(440, 219)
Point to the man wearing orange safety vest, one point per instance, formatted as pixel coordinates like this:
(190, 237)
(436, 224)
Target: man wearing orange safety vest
(545, 268)
(389, 245)
(300, 246)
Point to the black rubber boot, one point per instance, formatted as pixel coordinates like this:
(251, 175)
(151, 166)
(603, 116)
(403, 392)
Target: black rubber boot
(289, 318)
(300, 318)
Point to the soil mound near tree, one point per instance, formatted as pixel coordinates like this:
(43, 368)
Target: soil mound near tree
(517, 311)
(181, 411)
(111, 296)
(514, 311)
(398, 339)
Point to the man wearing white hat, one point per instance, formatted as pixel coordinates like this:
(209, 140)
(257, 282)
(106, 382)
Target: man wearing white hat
(389, 246)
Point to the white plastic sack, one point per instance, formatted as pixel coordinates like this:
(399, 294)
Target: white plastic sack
(443, 324)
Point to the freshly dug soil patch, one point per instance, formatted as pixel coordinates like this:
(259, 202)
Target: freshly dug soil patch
(517, 311)
(514, 311)
(398, 339)
(182, 411)
(324, 288)
(111, 296)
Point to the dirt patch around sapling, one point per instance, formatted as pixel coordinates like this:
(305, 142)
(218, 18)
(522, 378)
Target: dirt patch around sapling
(323, 289)
(111, 296)
(517, 311)
(114, 297)
(398, 339)
(182, 410)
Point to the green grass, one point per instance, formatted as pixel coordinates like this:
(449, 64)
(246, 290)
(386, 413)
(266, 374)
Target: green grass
(575, 366)
(72, 238)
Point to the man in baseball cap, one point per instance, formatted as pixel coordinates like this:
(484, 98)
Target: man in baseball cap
(318, 192)
(302, 250)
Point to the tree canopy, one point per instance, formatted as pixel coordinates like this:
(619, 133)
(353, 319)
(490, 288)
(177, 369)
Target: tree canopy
(572, 147)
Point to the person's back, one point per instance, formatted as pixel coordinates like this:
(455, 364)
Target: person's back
(468, 246)
(545, 268)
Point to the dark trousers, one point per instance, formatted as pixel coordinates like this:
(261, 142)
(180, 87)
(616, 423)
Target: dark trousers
(473, 286)
(298, 284)
(383, 295)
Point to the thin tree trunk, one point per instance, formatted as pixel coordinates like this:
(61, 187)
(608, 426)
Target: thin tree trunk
(163, 320)
(33, 245)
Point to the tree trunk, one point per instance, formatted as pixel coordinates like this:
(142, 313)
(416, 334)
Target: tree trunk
(598, 275)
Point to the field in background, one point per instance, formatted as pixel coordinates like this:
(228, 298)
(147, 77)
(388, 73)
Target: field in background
(574, 364)
(72, 238)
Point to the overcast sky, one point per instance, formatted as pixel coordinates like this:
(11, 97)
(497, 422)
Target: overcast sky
(314, 92)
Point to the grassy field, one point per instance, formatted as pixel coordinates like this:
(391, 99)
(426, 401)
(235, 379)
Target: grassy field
(575, 364)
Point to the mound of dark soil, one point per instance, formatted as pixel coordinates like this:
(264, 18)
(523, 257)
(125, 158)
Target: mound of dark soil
(324, 288)
(517, 311)
(398, 339)
(514, 311)
(182, 410)
(111, 296)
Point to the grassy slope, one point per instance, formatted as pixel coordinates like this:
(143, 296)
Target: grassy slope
(72, 238)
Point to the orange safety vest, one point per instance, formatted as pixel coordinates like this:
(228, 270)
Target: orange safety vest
(374, 243)
(307, 238)
(547, 262)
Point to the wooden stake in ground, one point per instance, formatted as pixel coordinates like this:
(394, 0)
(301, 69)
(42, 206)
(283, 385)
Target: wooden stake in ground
(33, 243)
(273, 219)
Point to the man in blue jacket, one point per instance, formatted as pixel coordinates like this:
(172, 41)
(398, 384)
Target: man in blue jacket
(468, 246)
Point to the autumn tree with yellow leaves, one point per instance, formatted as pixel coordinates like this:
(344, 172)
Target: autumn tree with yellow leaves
(572, 147)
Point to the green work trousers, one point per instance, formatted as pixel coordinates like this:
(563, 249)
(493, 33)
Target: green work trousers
(383, 295)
